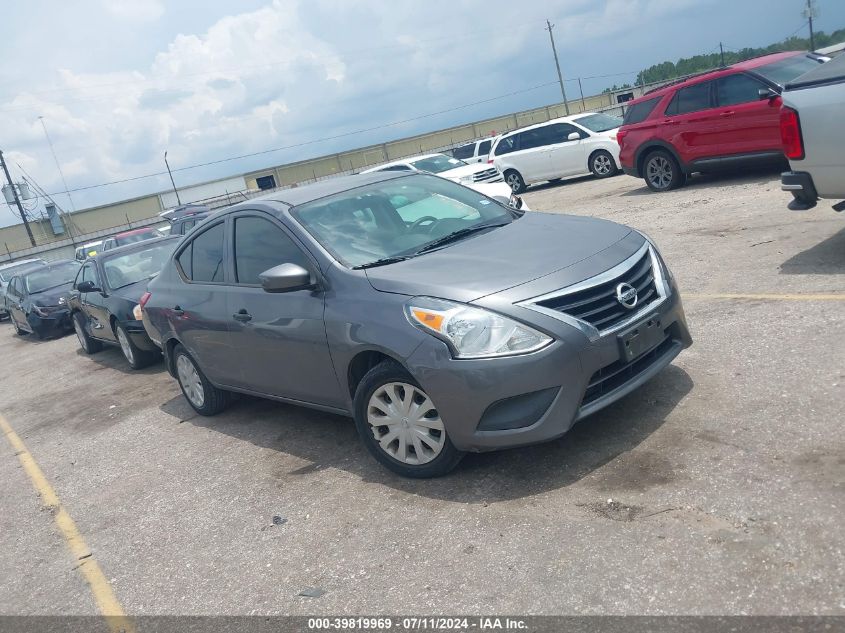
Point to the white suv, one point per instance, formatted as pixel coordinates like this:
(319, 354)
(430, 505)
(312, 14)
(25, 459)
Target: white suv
(568, 146)
(475, 152)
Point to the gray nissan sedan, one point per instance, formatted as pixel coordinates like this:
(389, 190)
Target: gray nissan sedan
(442, 320)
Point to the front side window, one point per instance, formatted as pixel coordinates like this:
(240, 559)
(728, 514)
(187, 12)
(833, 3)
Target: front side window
(438, 163)
(261, 245)
(51, 276)
(138, 265)
(738, 88)
(202, 259)
(14, 287)
(88, 273)
(690, 99)
(506, 145)
(397, 218)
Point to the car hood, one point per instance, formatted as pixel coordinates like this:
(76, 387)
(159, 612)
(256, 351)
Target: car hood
(51, 296)
(464, 170)
(564, 249)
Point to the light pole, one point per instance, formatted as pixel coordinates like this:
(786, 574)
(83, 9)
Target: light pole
(557, 65)
(171, 179)
(17, 199)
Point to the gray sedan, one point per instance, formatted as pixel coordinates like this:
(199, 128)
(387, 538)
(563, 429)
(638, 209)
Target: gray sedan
(442, 320)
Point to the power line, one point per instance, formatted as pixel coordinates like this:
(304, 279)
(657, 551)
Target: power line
(315, 141)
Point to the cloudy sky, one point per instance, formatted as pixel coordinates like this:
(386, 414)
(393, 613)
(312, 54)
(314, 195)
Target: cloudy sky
(118, 82)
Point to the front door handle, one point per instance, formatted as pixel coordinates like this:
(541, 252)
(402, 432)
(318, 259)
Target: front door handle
(728, 113)
(242, 315)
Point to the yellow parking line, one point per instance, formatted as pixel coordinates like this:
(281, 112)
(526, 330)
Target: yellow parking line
(767, 297)
(103, 595)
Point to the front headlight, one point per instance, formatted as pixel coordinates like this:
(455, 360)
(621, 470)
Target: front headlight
(663, 265)
(473, 332)
(62, 301)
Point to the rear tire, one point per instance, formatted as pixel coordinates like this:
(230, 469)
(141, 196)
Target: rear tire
(134, 355)
(662, 172)
(204, 398)
(602, 164)
(514, 180)
(88, 344)
(412, 441)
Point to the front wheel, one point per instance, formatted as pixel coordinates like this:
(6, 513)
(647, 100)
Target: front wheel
(88, 344)
(662, 172)
(602, 164)
(400, 425)
(134, 355)
(515, 181)
(204, 398)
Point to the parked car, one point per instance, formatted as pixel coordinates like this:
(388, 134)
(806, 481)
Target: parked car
(441, 320)
(7, 271)
(813, 136)
(87, 250)
(37, 298)
(475, 152)
(555, 149)
(105, 296)
(484, 178)
(130, 237)
(183, 219)
(721, 119)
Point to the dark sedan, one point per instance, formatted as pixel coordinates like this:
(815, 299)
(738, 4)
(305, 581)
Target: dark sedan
(440, 319)
(37, 298)
(105, 296)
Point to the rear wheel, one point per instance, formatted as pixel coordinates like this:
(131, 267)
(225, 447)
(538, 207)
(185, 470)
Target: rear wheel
(88, 344)
(514, 180)
(135, 356)
(662, 172)
(204, 398)
(400, 425)
(602, 164)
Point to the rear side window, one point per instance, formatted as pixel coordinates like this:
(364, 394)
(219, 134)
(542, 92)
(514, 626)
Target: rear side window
(260, 245)
(202, 260)
(691, 99)
(465, 151)
(735, 89)
(638, 112)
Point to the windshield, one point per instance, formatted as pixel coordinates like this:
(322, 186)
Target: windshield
(137, 237)
(438, 163)
(599, 122)
(7, 273)
(141, 264)
(51, 276)
(395, 218)
(785, 70)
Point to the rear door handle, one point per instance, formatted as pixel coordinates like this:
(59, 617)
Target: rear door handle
(728, 113)
(242, 315)
(669, 122)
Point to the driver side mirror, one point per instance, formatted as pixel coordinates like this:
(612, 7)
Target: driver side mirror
(766, 93)
(285, 278)
(573, 136)
(87, 286)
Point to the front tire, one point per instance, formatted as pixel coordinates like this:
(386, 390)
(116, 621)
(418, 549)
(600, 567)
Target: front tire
(602, 164)
(204, 398)
(662, 172)
(88, 344)
(135, 356)
(400, 426)
(514, 180)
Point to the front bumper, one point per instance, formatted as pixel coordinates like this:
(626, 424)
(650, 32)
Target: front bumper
(800, 185)
(545, 392)
(56, 323)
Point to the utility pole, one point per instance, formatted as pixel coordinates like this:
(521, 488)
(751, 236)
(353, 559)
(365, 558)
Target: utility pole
(722, 54)
(171, 179)
(17, 199)
(811, 12)
(557, 64)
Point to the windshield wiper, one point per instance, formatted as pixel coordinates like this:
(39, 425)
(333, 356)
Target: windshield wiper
(384, 261)
(457, 235)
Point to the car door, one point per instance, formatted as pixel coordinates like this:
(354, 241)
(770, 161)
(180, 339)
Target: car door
(14, 300)
(94, 303)
(565, 157)
(199, 315)
(280, 338)
(746, 124)
(689, 122)
(530, 160)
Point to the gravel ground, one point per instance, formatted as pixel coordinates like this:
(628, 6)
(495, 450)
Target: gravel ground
(714, 489)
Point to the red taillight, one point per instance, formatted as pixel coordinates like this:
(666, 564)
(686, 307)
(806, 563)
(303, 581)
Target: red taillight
(620, 135)
(489, 161)
(144, 298)
(790, 134)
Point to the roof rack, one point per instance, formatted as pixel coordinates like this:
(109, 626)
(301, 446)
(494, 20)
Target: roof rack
(681, 80)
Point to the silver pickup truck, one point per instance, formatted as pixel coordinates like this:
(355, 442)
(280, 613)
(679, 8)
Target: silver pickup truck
(812, 125)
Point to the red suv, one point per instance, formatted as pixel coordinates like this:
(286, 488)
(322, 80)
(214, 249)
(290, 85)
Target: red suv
(718, 119)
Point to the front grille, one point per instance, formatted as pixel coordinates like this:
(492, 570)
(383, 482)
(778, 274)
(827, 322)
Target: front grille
(598, 305)
(488, 175)
(619, 372)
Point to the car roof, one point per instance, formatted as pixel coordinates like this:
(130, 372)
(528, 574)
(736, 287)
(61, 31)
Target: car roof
(308, 193)
(131, 248)
(748, 64)
(55, 262)
(407, 160)
(19, 262)
(561, 119)
(145, 229)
